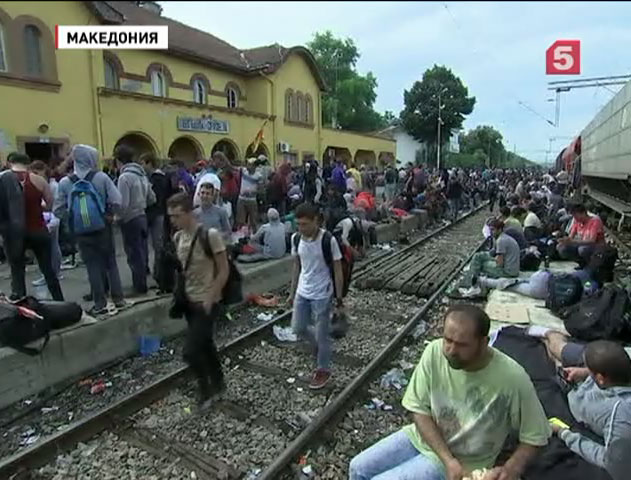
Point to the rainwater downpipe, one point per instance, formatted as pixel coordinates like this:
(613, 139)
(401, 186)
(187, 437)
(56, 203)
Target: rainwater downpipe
(272, 114)
(96, 104)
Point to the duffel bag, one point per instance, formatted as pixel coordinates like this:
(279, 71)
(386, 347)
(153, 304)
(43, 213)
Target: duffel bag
(58, 314)
(20, 326)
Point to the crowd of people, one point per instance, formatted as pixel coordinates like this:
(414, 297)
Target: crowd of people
(465, 396)
(468, 398)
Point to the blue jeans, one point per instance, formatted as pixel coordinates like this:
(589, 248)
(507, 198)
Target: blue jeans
(99, 255)
(311, 321)
(394, 458)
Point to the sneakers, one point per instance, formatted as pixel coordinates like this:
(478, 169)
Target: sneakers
(320, 378)
(96, 312)
(504, 283)
(470, 292)
(41, 281)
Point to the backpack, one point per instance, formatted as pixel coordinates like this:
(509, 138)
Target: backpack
(19, 326)
(602, 263)
(86, 206)
(564, 290)
(232, 291)
(166, 267)
(346, 260)
(57, 314)
(529, 261)
(604, 316)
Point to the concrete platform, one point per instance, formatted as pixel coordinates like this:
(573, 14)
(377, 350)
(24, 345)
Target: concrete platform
(84, 347)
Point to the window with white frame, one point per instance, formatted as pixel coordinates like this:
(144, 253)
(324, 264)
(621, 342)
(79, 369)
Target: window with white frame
(3, 59)
(199, 92)
(232, 97)
(158, 84)
(33, 50)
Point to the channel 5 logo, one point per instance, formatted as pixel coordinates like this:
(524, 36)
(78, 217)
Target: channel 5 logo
(564, 58)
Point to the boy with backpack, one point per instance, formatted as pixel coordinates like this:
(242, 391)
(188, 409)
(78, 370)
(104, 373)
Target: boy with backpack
(88, 199)
(317, 280)
(205, 272)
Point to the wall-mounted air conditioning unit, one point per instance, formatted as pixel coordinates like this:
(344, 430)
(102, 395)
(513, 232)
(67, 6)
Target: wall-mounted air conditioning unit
(284, 147)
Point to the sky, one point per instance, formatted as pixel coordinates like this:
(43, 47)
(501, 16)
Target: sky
(496, 48)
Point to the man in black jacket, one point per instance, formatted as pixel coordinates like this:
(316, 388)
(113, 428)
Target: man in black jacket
(156, 213)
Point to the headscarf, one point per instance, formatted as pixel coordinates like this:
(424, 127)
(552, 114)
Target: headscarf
(84, 159)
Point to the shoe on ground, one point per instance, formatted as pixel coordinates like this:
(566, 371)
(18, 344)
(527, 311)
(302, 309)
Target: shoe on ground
(111, 309)
(470, 292)
(123, 304)
(15, 297)
(40, 282)
(320, 378)
(504, 283)
(97, 312)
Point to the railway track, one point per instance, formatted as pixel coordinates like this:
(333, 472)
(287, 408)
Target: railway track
(267, 411)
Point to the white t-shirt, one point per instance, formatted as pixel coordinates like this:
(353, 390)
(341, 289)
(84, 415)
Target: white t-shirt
(314, 282)
(207, 177)
(532, 220)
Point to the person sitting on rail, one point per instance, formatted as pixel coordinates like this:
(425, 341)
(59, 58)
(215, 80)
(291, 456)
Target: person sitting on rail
(465, 398)
(587, 233)
(502, 262)
(601, 399)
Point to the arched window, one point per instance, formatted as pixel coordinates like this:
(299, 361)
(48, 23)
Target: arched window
(199, 92)
(233, 97)
(3, 48)
(300, 107)
(158, 84)
(33, 50)
(111, 74)
(290, 106)
(308, 109)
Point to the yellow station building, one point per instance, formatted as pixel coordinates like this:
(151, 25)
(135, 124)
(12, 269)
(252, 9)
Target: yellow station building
(199, 96)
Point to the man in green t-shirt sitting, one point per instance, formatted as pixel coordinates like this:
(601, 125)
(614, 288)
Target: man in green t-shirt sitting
(465, 398)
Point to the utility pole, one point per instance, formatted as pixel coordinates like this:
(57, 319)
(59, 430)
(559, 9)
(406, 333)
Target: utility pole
(440, 122)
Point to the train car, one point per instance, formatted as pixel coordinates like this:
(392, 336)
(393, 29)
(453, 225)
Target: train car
(605, 155)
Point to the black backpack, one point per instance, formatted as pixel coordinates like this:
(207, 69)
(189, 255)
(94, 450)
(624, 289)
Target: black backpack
(604, 316)
(167, 265)
(347, 259)
(602, 263)
(232, 291)
(529, 261)
(18, 329)
(564, 290)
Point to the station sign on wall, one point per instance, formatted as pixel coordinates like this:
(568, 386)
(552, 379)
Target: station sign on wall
(203, 124)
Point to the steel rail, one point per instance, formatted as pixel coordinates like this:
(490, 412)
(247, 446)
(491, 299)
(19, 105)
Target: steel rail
(111, 415)
(333, 408)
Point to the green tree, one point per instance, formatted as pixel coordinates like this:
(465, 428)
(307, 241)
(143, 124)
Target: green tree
(486, 140)
(351, 96)
(420, 115)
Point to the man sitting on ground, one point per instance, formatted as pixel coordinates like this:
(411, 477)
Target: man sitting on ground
(268, 242)
(465, 398)
(586, 234)
(602, 399)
